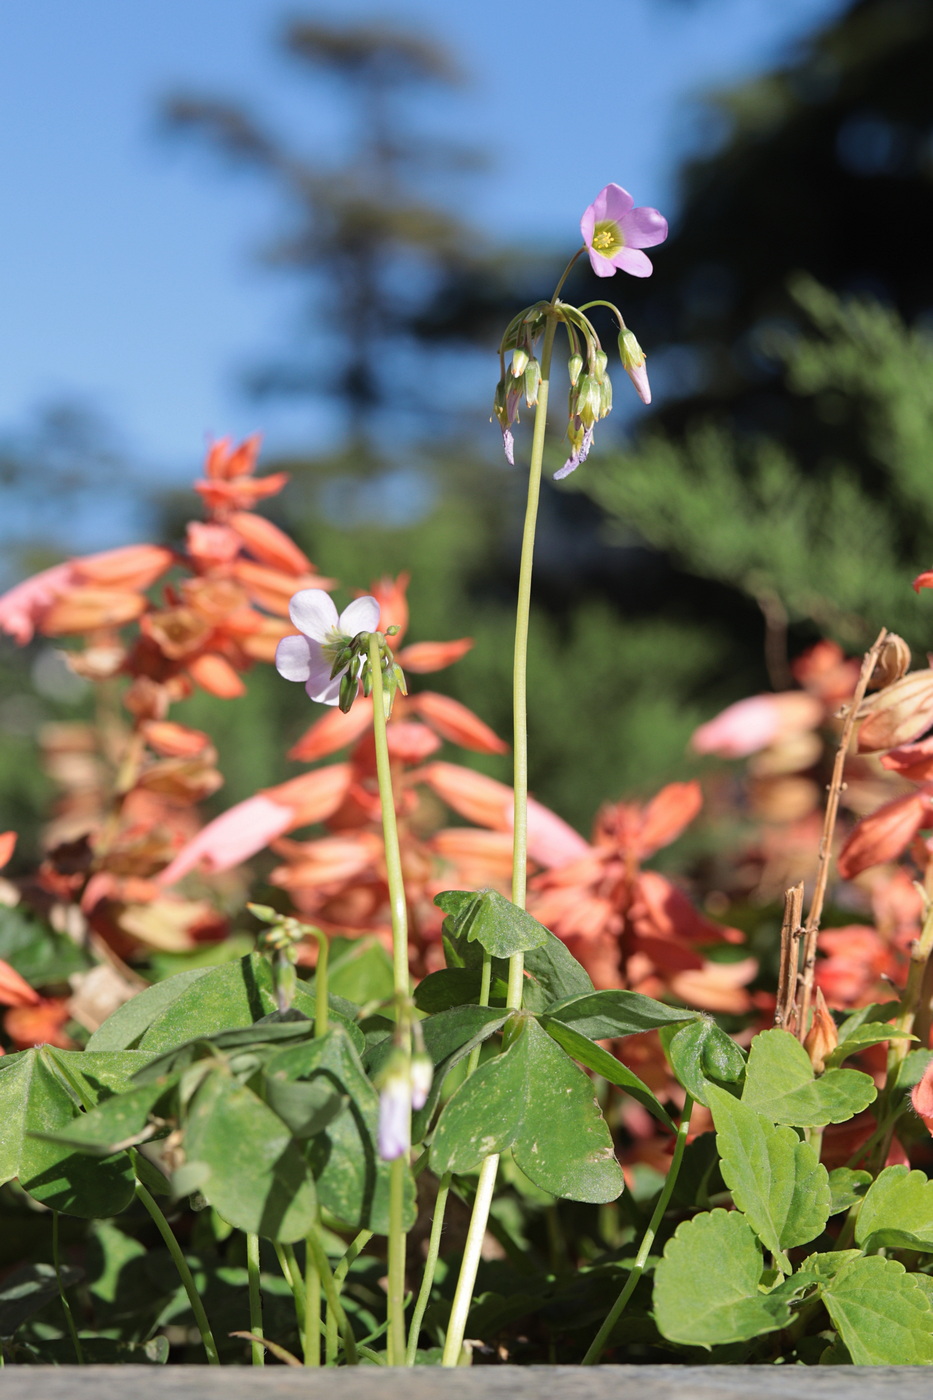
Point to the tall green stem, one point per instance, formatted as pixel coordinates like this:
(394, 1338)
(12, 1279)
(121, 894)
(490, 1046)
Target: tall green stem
(66, 1306)
(430, 1266)
(184, 1273)
(641, 1258)
(399, 914)
(487, 1178)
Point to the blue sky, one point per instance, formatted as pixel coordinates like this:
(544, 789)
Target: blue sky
(126, 279)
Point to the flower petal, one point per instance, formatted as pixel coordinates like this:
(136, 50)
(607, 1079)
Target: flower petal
(602, 266)
(313, 612)
(633, 261)
(318, 683)
(643, 228)
(293, 658)
(612, 202)
(362, 615)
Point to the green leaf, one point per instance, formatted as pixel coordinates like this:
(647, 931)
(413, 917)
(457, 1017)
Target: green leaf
(491, 920)
(609, 1014)
(706, 1284)
(257, 1178)
(360, 970)
(594, 1057)
(236, 994)
(456, 986)
(866, 1015)
(780, 1084)
(700, 1053)
(39, 954)
(871, 1033)
(33, 1098)
(126, 1025)
(881, 1314)
(847, 1188)
(352, 1180)
(912, 1069)
(26, 1290)
(826, 1265)
(897, 1211)
(534, 1100)
(306, 1106)
(552, 974)
(776, 1180)
(116, 1120)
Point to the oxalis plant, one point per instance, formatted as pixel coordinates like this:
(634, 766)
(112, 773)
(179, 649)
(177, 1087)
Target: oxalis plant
(326, 1133)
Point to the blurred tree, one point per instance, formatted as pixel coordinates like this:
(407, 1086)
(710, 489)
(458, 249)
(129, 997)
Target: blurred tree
(377, 254)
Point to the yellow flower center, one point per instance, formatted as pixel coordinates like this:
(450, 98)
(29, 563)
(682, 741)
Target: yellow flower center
(607, 238)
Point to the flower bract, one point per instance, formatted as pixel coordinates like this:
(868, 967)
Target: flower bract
(615, 232)
(311, 656)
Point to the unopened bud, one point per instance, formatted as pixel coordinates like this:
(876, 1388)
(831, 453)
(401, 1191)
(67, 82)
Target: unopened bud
(422, 1076)
(601, 360)
(532, 380)
(587, 400)
(822, 1037)
(574, 366)
(605, 396)
(349, 685)
(520, 358)
(892, 663)
(633, 362)
(898, 714)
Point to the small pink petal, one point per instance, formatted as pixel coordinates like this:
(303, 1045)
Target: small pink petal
(602, 266)
(633, 261)
(231, 838)
(319, 684)
(313, 612)
(551, 841)
(362, 615)
(639, 377)
(612, 202)
(293, 658)
(643, 228)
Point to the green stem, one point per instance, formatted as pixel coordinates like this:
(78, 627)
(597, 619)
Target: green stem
(430, 1265)
(292, 1275)
(487, 1178)
(459, 1312)
(485, 982)
(333, 1298)
(321, 1012)
(255, 1298)
(66, 1306)
(641, 1258)
(312, 1323)
(399, 914)
(184, 1273)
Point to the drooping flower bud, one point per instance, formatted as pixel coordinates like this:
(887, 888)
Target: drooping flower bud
(822, 1037)
(531, 382)
(520, 358)
(422, 1076)
(574, 366)
(395, 1103)
(633, 362)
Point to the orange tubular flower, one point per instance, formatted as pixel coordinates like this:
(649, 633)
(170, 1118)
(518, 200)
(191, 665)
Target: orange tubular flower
(15, 990)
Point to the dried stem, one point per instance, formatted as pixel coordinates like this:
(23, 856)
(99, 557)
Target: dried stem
(791, 930)
(829, 826)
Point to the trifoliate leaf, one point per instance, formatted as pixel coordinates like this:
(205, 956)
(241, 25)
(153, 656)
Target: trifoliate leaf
(701, 1052)
(491, 920)
(780, 1084)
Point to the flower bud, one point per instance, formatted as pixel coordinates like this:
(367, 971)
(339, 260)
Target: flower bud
(532, 380)
(633, 362)
(574, 366)
(601, 360)
(587, 400)
(822, 1037)
(605, 396)
(520, 358)
(422, 1075)
(395, 1100)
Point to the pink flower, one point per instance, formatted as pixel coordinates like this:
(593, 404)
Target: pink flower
(233, 837)
(753, 724)
(615, 232)
(311, 657)
(395, 1104)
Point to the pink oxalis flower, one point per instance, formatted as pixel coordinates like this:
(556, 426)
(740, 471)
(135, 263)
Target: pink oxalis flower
(615, 232)
(311, 657)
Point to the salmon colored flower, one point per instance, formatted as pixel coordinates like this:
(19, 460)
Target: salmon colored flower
(615, 232)
(756, 723)
(886, 834)
(921, 1096)
(7, 846)
(898, 714)
(15, 990)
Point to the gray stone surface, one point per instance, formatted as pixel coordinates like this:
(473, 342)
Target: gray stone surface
(476, 1383)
